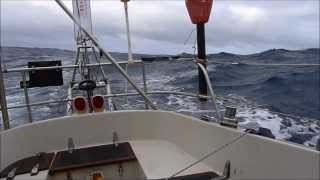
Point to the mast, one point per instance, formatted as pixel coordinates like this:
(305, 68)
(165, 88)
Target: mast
(125, 3)
(130, 57)
(199, 12)
(3, 100)
(202, 59)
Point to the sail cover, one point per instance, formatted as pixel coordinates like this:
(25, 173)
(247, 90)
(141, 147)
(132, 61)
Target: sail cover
(82, 11)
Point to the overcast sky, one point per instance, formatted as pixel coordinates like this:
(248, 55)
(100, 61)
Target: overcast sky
(160, 27)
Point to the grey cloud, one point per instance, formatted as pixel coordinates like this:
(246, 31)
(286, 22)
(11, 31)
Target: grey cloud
(163, 26)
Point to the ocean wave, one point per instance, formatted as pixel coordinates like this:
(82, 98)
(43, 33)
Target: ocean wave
(262, 94)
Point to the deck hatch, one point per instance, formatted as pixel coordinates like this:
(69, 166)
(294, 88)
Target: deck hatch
(92, 156)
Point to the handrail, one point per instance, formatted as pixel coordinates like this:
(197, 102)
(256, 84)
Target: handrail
(213, 97)
(63, 67)
(136, 94)
(140, 61)
(3, 100)
(109, 96)
(114, 95)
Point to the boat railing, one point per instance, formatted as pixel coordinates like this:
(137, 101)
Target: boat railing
(24, 70)
(28, 104)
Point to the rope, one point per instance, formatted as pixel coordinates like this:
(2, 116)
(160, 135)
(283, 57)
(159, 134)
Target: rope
(201, 61)
(104, 76)
(189, 36)
(209, 154)
(183, 48)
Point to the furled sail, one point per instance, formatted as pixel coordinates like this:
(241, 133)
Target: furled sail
(82, 11)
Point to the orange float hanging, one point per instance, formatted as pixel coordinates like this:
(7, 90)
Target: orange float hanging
(199, 10)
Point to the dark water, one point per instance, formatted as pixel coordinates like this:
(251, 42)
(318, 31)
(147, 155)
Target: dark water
(259, 92)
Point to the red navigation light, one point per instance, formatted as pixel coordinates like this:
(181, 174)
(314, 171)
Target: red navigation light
(199, 10)
(97, 103)
(79, 103)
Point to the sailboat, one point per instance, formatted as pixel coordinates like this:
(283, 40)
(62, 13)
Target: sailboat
(96, 142)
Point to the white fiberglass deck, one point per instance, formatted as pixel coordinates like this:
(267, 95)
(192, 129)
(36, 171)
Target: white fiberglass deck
(158, 136)
(160, 159)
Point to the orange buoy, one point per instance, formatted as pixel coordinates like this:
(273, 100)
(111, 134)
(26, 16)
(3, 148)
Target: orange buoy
(199, 10)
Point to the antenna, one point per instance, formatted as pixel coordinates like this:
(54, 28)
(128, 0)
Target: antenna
(125, 3)
(130, 58)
